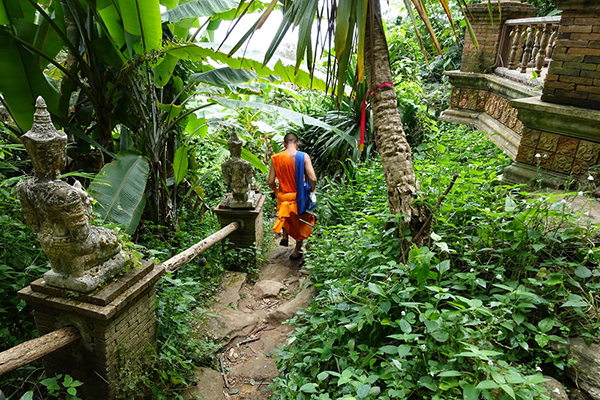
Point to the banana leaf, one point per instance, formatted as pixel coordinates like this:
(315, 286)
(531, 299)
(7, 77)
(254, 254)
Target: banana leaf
(225, 76)
(141, 19)
(119, 190)
(252, 61)
(198, 9)
(292, 116)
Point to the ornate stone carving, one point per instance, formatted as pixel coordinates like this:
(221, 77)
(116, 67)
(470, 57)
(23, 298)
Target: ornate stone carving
(482, 99)
(567, 146)
(588, 151)
(580, 167)
(530, 137)
(455, 97)
(81, 255)
(526, 155)
(238, 175)
(548, 141)
(562, 164)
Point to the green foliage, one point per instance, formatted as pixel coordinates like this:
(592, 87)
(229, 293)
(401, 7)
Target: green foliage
(119, 190)
(21, 258)
(57, 386)
(470, 315)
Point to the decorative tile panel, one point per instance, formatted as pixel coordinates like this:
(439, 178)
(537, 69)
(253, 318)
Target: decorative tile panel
(567, 146)
(548, 141)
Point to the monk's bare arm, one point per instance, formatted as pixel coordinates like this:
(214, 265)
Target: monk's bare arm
(310, 172)
(271, 179)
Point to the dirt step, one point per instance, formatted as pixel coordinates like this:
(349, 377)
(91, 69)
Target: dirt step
(248, 320)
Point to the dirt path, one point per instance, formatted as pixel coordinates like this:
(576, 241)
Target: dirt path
(247, 319)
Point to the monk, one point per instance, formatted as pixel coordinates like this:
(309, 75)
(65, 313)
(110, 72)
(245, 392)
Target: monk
(295, 194)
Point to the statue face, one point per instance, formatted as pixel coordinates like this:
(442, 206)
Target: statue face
(235, 149)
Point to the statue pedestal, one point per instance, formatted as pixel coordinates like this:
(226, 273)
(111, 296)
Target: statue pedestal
(91, 278)
(249, 237)
(117, 323)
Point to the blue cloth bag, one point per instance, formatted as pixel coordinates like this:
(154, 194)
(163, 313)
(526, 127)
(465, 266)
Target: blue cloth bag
(302, 186)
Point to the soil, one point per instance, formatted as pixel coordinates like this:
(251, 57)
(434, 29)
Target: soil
(247, 319)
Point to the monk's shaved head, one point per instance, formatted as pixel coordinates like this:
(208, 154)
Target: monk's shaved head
(290, 138)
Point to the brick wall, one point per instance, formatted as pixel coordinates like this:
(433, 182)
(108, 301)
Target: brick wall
(488, 33)
(574, 72)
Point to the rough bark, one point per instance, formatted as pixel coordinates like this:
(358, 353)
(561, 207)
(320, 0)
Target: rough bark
(395, 152)
(178, 261)
(34, 349)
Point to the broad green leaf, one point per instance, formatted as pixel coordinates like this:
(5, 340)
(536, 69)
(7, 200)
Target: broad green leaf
(164, 70)
(509, 390)
(27, 396)
(198, 9)
(4, 20)
(542, 340)
(112, 20)
(252, 60)
(389, 349)
(487, 384)
(449, 373)
(373, 287)
(583, 272)
(403, 350)
(405, 326)
(292, 116)
(363, 391)
(141, 18)
(119, 190)
(22, 81)
(309, 388)
(546, 324)
(171, 111)
(344, 28)
(180, 164)
(575, 301)
(443, 266)
(225, 76)
(361, 21)
(470, 392)
(537, 247)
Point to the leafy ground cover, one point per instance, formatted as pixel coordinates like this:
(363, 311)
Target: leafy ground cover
(473, 314)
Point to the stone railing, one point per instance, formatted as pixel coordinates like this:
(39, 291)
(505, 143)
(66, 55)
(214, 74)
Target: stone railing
(526, 47)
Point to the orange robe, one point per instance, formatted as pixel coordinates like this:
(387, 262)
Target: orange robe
(287, 208)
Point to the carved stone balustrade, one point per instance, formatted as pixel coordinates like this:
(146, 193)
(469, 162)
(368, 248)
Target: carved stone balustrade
(538, 97)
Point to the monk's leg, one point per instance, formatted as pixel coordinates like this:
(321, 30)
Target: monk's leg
(284, 238)
(296, 254)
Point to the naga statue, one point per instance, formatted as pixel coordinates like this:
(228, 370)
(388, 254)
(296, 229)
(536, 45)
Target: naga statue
(82, 256)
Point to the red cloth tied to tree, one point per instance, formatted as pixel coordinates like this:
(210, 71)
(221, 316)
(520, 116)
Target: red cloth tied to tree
(361, 146)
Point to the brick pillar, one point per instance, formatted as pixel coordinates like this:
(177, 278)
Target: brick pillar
(249, 237)
(489, 33)
(574, 72)
(119, 315)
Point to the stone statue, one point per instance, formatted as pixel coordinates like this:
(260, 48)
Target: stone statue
(238, 175)
(81, 255)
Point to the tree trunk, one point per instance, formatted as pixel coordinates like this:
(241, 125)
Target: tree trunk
(396, 156)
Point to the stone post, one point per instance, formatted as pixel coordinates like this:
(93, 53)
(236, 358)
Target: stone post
(249, 237)
(574, 72)
(114, 315)
(489, 33)
(117, 324)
